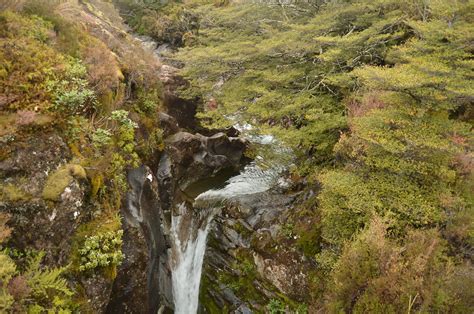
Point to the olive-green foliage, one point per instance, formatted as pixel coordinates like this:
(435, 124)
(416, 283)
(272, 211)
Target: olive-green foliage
(10, 192)
(33, 290)
(283, 66)
(106, 226)
(399, 161)
(27, 63)
(101, 250)
(376, 99)
(349, 200)
(7, 271)
(276, 306)
(101, 137)
(60, 179)
(166, 22)
(72, 94)
(376, 274)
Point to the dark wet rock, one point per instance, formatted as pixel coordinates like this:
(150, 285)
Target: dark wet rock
(129, 292)
(243, 309)
(97, 289)
(168, 124)
(229, 131)
(229, 295)
(142, 285)
(147, 213)
(183, 110)
(204, 155)
(231, 147)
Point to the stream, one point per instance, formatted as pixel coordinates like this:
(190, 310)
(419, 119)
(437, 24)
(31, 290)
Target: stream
(191, 222)
(259, 176)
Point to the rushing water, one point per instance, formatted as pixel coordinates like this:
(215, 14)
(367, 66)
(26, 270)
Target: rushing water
(187, 256)
(190, 226)
(189, 236)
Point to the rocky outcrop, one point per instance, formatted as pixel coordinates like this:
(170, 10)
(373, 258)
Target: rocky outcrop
(37, 223)
(137, 287)
(150, 203)
(248, 262)
(183, 110)
(206, 156)
(46, 197)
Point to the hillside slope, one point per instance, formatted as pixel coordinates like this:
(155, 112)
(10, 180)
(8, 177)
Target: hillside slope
(79, 99)
(375, 98)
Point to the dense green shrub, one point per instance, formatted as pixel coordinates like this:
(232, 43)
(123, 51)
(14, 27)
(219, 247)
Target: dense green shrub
(375, 274)
(276, 306)
(71, 94)
(101, 137)
(102, 250)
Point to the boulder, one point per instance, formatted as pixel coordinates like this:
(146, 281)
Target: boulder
(168, 124)
(206, 156)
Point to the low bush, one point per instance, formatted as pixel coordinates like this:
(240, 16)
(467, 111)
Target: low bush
(101, 250)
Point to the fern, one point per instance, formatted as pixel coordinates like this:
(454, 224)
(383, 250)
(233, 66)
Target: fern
(6, 300)
(7, 271)
(45, 283)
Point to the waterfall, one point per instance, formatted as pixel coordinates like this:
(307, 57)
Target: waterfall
(190, 224)
(189, 245)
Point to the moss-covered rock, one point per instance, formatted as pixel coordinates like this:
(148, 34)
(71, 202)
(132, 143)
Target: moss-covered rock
(60, 179)
(12, 193)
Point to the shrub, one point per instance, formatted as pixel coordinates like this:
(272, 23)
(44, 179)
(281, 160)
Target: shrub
(276, 306)
(101, 137)
(376, 274)
(102, 250)
(121, 116)
(71, 94)
(5, 231)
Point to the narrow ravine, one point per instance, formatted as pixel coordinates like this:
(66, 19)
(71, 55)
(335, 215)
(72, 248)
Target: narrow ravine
(192, 221)
(188, 251)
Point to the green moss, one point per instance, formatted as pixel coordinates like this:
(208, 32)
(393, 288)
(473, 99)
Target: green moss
(242, 230)
(309, 238)
(12, 193)
(205, 298)
(60, 179)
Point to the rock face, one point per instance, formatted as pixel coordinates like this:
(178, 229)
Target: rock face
(206, 156)
(144, 279)
(183, 110)
(37, 223)
(33, 165)
(250, 259)
(139, 280)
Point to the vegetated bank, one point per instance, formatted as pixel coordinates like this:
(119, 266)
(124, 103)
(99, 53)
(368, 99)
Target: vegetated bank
(375, 98)
(79, 100)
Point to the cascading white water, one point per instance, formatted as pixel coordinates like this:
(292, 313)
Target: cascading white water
(189, 233)
(187, 258)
